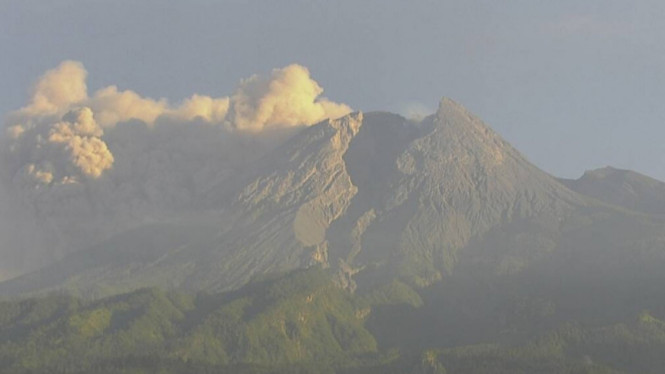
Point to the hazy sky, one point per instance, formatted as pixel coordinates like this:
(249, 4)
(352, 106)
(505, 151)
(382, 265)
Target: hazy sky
(574, 85)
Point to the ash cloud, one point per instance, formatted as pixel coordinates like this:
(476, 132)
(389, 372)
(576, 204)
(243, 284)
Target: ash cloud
(77, 168)
(287, 98)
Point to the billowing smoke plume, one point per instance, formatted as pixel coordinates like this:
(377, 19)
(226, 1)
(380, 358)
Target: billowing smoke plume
(60, 151)
(58, 89)
(286, 98)
(62, 117)
(81, 167)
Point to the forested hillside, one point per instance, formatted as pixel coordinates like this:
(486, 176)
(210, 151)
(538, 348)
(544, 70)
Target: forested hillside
(304, 323)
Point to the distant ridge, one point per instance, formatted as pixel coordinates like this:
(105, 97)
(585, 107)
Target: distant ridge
(624, 188)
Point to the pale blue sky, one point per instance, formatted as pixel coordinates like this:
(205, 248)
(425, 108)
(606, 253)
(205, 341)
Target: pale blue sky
(574, 85)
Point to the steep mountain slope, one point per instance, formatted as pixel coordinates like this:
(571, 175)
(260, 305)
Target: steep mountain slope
(273, 222)
(452, 181)
(376, 198)
(624, 188)
(280, 217)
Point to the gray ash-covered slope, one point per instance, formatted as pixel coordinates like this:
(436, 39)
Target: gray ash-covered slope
(264, 227)
(378, 194)
(375, 197)
(278, 220)
(620, 187)
(451, 181)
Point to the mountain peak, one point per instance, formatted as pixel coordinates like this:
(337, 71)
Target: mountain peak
(447, 103)
(464, 140)
(456, 113)
(450, 179)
